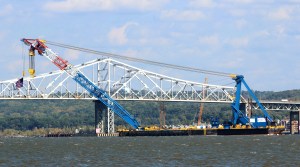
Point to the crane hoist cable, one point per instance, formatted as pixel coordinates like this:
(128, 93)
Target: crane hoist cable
(142, 60)
(37, 45)
(23, 61)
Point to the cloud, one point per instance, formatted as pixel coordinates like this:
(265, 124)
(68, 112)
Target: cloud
(142, 4)
(275, 31)
(241, 23)
(71, 54)
(7, 9)
(262, 33)
(79, 5)
(162, 41)
(213, 3)
(202, 3)
(279, 30)
(240, 1)
(281, 13)
(102, 5)
(45, 66)
(237, 12)
(118, 35)
(3, 35)
(14, 66)
(130, 53)
(154, 41)
(238, 42)
(184, 15)
(210, 40)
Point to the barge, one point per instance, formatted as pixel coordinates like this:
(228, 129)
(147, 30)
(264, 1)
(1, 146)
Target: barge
(192, 132)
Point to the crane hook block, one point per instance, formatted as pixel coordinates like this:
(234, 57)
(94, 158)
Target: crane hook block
(31, 69)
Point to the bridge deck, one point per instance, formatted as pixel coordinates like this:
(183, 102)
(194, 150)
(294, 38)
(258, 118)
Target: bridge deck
(126, 83)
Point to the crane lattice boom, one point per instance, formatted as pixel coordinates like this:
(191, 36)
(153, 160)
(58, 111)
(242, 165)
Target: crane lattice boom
(81, 79)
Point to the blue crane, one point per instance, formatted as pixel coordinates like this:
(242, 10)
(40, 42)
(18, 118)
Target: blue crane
(237, 115)
(39, 46)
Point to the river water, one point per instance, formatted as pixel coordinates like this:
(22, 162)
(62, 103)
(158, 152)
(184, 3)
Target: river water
(255, 151)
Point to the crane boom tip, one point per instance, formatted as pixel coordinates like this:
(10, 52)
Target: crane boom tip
(232, 75)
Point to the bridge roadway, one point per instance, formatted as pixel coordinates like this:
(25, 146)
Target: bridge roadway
(279, 105)
(120, 81)
(125, 82)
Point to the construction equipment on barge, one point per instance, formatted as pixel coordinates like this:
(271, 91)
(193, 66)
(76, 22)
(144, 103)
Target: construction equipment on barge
(40, 46)
(240, 124)
(255, 125)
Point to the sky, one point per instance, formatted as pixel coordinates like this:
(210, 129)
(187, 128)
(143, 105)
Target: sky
(259, 39)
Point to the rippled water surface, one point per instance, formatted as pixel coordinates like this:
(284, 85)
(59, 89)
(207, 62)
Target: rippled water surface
(152, 151)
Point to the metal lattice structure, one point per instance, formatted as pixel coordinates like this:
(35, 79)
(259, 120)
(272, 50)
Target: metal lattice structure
(279, 105)
(124, 82)
(121, 81)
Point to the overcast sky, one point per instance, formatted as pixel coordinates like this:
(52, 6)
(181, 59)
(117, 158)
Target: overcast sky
(257, 38)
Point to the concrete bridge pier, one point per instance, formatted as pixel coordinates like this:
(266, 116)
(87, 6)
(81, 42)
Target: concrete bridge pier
(104, 119)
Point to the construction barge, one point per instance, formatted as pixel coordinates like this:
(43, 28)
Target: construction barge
(216, 131)
(195, 132)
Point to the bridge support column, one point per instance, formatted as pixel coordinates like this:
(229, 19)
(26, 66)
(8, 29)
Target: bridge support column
(162, 115)
(104, 119)
(110, 121)
(100, 109)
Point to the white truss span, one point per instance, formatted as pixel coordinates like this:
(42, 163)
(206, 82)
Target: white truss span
(279, 105)
(125, 82)
(120, 81)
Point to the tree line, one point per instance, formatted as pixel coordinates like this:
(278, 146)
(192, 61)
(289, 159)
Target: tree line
(36, 114)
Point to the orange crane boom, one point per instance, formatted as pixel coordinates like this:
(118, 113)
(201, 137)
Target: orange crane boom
(202, 104)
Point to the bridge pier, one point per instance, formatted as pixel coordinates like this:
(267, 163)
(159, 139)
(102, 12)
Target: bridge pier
(104, 119)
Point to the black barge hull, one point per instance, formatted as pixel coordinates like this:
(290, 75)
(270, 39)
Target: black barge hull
(260, 131)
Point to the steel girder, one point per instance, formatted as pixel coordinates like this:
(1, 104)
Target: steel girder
(121, 81)
(278, 105)
(125, 82)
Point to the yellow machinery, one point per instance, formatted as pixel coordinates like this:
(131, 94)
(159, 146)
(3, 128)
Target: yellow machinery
(31, 69)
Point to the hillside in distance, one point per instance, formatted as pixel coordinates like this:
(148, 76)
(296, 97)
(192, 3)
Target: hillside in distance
(30, 114)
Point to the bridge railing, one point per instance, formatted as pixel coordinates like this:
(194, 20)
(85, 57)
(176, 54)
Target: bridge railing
(279, 105)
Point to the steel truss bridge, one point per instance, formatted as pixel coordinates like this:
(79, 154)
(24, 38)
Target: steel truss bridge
(125, 82)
